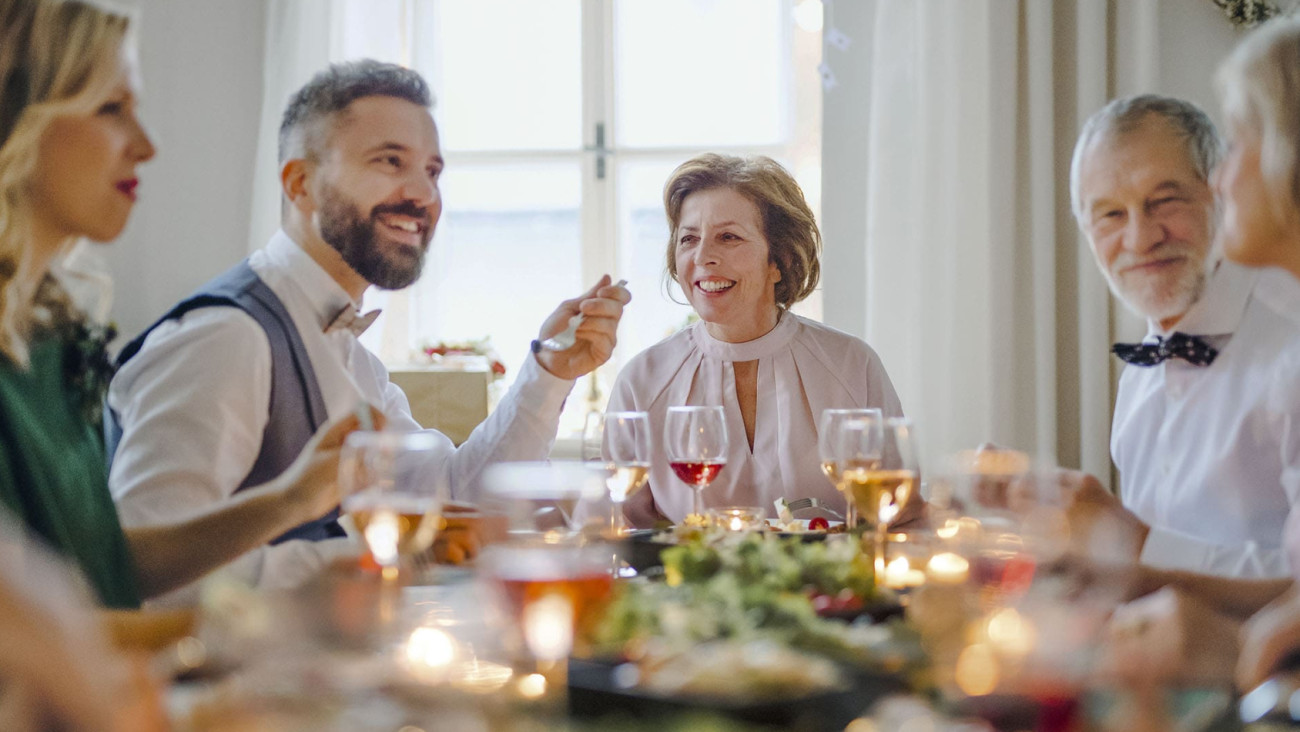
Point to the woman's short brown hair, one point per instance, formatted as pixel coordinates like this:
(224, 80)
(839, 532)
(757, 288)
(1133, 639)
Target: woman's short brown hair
(794, 243)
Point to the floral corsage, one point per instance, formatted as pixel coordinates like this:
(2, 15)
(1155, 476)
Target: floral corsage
(87, 367)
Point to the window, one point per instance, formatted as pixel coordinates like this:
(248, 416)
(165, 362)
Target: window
(560, 122)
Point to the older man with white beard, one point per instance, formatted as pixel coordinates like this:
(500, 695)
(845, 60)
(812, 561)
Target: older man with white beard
(1206, 432)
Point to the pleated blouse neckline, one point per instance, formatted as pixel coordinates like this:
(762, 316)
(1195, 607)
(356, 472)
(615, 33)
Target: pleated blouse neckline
(764, 345)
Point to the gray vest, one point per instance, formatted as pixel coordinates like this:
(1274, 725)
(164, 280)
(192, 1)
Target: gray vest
(297, 408)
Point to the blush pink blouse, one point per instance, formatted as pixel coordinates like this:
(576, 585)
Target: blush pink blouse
(804, 367)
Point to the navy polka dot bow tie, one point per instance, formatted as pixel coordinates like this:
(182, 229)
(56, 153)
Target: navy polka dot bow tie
(1191, 349)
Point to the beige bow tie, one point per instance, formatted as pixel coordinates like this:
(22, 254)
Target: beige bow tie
(349, 319)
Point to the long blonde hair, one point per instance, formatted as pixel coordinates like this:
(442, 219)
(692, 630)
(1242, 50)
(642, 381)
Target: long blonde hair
(57, 57)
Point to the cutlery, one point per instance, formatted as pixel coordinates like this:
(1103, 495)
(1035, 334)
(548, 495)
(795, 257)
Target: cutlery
(565, 339)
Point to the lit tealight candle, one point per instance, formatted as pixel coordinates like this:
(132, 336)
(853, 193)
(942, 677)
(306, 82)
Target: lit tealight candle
(430, 652)
(899, 575)
(737, 524)
(948, 568)
(548, 627)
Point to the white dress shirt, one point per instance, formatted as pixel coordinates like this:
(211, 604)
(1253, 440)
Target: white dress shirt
(193, 407)
(804, 367)
(1209, 456)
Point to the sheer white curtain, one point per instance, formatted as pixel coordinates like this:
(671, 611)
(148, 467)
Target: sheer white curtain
(981, 298)
(300, 41)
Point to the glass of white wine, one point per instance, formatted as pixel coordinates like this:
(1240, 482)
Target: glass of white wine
(390, 492)
(829, 448)
(880, 471)
(627, 451)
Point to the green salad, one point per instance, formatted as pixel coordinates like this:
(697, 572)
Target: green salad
(756, 587)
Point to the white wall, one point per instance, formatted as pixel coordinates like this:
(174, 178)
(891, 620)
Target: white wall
(202, 68)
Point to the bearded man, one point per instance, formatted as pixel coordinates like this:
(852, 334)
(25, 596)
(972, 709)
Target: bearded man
(1206, 432)
(225, 389)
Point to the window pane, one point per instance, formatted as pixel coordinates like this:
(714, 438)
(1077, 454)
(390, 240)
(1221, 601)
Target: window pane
(643, 247)
(693, 73)
(507, 73)
(373, 29)
(507, 251)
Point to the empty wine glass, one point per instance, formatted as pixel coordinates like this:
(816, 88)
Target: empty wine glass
(696, 440)
(830, 448)
(389, 491)
(541, 500)
(627, 449)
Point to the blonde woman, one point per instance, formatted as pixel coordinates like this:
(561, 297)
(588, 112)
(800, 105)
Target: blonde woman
(744, 247)
(70, 148)
(1259, 189)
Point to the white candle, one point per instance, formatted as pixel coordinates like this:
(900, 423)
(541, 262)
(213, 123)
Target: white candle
(899, 575)
(548, 627)
(430, 652)
(948, 568)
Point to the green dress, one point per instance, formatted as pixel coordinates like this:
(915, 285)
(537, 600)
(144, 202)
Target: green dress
(53, 475)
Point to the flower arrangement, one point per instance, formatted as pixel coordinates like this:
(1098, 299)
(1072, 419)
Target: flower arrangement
(443, 350)
(1248, 13)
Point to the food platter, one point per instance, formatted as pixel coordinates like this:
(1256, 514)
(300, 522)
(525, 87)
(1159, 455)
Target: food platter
(595, 691)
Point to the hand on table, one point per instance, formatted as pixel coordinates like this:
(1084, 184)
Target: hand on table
(601, 307)
(1267, 639)
(1169, 636)
(312, 480)
(1100, 526)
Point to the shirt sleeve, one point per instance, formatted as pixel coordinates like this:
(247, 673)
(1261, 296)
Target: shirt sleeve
(284, 566)
(1172, 550)
(191, 429)
(522, 427)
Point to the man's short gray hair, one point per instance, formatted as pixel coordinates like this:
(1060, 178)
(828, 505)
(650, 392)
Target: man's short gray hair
(332, 90)
(1124, 115)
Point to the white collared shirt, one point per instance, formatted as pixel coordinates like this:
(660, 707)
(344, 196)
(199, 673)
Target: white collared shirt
(193, 407)
(1209, 456)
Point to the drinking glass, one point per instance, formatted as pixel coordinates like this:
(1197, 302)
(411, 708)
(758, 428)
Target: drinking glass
(696, 440)
(627, 450)
(829, 449)
(880, 472)
(542, 501)
(389, 491)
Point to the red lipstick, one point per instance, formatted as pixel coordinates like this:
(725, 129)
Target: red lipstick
(128, 186)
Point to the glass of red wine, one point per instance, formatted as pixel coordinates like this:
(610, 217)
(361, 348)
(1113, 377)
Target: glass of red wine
(696, 440)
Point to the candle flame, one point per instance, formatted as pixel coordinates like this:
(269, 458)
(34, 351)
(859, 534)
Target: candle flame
(548, 627)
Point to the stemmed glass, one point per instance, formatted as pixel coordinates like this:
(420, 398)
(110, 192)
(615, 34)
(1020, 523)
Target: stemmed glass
(831, 449)
(880, 487)
(627, 449)
(696, 440)
(386, 479)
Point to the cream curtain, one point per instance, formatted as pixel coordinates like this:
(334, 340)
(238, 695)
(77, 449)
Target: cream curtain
(301, 39)
(980, 295)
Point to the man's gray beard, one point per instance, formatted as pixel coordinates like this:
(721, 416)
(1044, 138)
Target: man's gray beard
(1188, 295)
(344, 228)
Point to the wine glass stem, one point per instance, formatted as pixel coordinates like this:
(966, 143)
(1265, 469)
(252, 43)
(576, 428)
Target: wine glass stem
(617, 524)
(851, 515)
(698, 500)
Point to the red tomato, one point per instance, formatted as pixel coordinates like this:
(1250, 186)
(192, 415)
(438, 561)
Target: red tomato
(819, 524)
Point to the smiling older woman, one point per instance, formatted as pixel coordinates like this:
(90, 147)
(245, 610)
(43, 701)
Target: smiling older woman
(744, 247)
